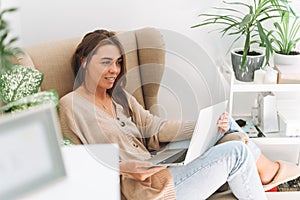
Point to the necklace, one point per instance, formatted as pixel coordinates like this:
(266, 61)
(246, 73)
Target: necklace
(104, 105)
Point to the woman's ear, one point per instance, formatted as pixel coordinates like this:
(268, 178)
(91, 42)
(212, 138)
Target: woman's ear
(83, 63)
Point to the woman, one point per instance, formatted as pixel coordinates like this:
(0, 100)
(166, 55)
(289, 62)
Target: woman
(100, 111)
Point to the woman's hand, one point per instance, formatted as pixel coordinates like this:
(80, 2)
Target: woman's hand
(223, 123)
(139, 169)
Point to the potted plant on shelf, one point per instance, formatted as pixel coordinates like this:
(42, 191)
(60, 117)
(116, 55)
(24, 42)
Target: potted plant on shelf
(284, 39)
(247, 25)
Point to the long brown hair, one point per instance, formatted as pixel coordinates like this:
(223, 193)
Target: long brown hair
(87, 47)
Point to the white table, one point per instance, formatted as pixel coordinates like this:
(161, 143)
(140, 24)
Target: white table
(87, 176)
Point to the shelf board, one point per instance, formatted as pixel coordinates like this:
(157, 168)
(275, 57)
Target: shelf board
(251, 87)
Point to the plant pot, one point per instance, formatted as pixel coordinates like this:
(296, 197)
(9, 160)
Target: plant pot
(253, 62)
(281, 59)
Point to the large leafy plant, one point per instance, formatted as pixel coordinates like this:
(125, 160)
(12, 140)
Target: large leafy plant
(19, 85)
(246, 25)
(19, 89)
(45, 97)
(285, 36)
(7, 51)
(18, 82)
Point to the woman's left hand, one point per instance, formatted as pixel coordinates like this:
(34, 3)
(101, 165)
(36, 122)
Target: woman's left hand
(139, 169)
(223, 123)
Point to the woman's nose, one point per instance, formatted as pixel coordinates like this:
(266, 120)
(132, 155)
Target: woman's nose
(113, 67)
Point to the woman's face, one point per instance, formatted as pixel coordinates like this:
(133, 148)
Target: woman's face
(104, 67)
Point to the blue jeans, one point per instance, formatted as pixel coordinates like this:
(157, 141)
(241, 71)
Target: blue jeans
(232, 162)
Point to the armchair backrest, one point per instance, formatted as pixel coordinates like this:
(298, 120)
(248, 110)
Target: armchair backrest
(145, 59)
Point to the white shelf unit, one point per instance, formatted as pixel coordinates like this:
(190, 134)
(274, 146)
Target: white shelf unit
(251, 87)
(244, 87)
(274, 145)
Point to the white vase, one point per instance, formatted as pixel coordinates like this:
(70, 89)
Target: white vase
(281, 59)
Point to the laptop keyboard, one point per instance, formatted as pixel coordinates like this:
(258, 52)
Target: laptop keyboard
(177, 158)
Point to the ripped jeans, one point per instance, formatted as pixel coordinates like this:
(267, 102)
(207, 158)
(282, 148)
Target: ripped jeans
(233, 162)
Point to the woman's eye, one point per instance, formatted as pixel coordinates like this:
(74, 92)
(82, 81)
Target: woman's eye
(106, 63)
(119, 62)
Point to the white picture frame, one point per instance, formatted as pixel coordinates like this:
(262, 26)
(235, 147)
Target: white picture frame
(29, 150)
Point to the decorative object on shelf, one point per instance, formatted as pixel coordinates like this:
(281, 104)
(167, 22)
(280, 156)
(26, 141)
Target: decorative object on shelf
(267, 75)
(289, 117)
(270, 76)
(259, 76)
(284, 39)
(255, 112)
(288, 74)
(268, 112)
(239, 23)
(7, 51)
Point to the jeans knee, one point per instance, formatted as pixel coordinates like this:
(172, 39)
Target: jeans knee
(239, 154)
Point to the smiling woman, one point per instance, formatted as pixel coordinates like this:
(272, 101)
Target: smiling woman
(99, 110)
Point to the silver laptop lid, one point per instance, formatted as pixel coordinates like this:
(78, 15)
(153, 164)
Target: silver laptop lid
(29, 150)
(206, 130)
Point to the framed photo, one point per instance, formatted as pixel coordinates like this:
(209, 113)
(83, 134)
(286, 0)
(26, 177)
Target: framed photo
(30, 154)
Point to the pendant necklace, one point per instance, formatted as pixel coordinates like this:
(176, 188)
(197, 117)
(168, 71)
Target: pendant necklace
(104, 105)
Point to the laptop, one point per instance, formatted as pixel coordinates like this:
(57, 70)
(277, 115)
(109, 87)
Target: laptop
(29, 150)
(204, 136)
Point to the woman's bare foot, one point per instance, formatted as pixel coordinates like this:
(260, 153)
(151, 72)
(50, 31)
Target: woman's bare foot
(267, 169)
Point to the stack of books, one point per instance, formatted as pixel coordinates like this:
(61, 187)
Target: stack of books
(290, 186)
(293, 185)
(288, 74)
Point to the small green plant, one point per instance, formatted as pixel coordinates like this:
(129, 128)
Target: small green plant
(7, 51)
(286, 34)
(247, 25)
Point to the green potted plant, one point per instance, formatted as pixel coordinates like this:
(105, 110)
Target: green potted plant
(7, 51)
(284, 38)
(19, 85)
(248, 26)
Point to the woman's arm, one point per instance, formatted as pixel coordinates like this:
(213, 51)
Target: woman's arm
(159, 129)
(172, 130)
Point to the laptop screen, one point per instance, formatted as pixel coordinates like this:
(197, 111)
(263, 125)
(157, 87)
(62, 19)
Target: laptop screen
(29, 151)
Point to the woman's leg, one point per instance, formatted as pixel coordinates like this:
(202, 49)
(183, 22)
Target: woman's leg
(231, 161)
(267, 169)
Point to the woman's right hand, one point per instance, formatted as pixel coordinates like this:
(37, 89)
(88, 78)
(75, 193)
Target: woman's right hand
(223, 123)
(139, 169)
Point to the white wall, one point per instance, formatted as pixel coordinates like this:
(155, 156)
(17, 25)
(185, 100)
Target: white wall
(50, 20)
(44, 20)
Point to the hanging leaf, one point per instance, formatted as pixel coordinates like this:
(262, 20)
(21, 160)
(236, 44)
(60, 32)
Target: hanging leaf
(18, 82)
(45, 97)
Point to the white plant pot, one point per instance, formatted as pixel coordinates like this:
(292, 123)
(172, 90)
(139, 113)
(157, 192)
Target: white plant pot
(280, 59)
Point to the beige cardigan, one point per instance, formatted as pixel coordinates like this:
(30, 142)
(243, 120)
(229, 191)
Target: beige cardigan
(135, 138)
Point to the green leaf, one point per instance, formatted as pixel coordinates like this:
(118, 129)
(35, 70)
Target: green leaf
(45, 97)
(67, 141)
(19, 81)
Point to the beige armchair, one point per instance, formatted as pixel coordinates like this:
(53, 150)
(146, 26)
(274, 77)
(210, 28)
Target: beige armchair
(145, 59)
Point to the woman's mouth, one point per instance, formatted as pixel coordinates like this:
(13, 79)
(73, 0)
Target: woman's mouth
(110, 78)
